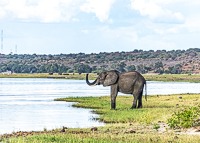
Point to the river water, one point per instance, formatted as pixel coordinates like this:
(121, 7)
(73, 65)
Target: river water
(27, 104)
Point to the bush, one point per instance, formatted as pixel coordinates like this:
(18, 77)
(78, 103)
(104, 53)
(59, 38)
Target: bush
(184, 118)
(156, 127)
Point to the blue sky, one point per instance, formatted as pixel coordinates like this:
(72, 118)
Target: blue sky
(93, 26)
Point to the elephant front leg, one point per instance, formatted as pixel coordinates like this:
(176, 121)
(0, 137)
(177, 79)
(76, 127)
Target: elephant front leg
(113, 105)
(114, 92)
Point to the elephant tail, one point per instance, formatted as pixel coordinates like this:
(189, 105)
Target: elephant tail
(146, 90)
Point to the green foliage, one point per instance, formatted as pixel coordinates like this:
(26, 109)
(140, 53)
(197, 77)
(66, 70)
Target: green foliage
(158, 65)
(120, 67)
(144, 62)
(140, 68)
(156, 126)
(131, 68)
(184, 118)
(146, 118)
(81, 68)
(99, 70)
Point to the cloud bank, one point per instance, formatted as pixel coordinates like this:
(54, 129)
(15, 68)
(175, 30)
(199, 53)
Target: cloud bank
(107, 25)
(48, 11)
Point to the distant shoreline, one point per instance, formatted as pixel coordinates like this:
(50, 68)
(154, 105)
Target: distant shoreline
(47, 75)
(149, 77)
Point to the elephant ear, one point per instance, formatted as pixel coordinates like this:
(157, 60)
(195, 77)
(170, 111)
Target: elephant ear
(111, 78)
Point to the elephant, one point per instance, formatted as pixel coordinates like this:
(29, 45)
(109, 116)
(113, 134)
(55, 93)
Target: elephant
(129, 83)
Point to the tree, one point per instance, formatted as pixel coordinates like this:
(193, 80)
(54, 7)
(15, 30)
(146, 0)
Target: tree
(54, 68)
(16, 68)
(3, 68)
(175, 69)
(63, 68)
(25, 69)
(81, 68)
(159, 67)
(32, 68)
(42, 69)
(131, 68)
(48, 67)
(94, 68)
(140, 69)
(120, 67)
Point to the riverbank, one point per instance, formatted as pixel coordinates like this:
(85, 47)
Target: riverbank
(148, 77)
(148, 124)
(47, 75)
(173, 77)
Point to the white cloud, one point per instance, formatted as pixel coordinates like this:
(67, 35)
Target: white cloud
(75, 20)
(193, 23)
(159, 28)
(110, 21)
(39, 10)
(122, 33)
(53, 10)
(101, 8)
(154, 10)
(85, 31)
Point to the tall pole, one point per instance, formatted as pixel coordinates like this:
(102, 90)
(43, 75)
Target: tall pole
(1, 41)
(15, 49)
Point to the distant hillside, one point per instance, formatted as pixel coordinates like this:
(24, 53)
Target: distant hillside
(160, 61)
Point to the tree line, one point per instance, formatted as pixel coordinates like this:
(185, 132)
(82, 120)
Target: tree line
(160, 61)
(84, 68)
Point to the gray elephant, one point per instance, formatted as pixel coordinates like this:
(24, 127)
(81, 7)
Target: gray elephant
(128, 83)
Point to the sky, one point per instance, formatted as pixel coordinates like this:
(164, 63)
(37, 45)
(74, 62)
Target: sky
(94, 26)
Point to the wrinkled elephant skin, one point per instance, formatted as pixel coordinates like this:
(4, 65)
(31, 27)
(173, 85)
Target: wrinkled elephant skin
(128, 83)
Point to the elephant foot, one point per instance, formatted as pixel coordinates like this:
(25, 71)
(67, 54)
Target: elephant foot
(113, 105)
(133, 107)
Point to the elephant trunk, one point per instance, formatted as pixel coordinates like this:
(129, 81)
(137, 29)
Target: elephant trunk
(91, 84)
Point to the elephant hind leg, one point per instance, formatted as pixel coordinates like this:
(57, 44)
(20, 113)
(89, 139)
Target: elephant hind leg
(137, 94)
(140, 100)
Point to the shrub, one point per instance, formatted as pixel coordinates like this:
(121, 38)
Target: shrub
(156, 126)
(184, 118)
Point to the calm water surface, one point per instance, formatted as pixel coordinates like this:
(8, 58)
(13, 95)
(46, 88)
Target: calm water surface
(27, 103)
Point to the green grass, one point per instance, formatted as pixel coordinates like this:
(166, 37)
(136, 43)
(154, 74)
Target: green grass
(123, 124)
(173, 77)
(148, 77)
(106, 137)
(155, 109)
(46, 75)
